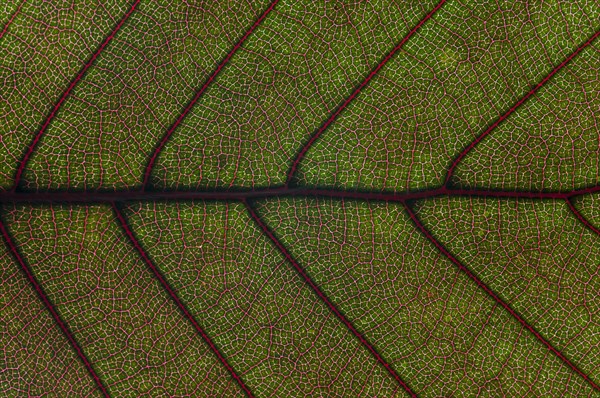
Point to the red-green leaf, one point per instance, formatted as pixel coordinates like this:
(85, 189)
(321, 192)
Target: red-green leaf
(299, 198)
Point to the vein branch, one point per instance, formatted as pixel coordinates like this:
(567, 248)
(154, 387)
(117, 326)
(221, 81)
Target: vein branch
(207, 83)
(581, 218)
(175, 297)
(26, 269)
(516, 106)
(30, 149)
(495, 296)
(332, 307)
(344, 104)
(12, 18)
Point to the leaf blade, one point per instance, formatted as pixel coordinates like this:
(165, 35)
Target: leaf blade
(411, 284)
(126, 325)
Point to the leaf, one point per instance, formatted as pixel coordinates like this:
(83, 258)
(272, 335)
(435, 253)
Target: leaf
(279, 198)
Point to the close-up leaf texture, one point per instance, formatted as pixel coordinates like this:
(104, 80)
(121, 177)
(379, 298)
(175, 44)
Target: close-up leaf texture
(300, 198)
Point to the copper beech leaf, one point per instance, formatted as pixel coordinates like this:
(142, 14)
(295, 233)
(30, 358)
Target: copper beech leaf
(283, 198)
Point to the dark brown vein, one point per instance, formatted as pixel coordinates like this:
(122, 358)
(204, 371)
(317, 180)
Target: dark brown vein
(12, 18)
(337, 111)
(128, 196)
(199, 93)
(50, 307)
(513, 108)
(493, 295)
(581, 218)
(308, 280)
(65, 95)
(175, 297)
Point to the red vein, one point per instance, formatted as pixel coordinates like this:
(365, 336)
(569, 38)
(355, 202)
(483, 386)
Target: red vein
(12, 18)
(65, 95)
(493, 295)
(173, 294)
(199, 93)
(325, 299)
(124, 196)
(581, 218)
(50, 307)
(357, 90)
(520, 102)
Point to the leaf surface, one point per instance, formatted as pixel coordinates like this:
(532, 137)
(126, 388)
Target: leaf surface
(299, 198)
